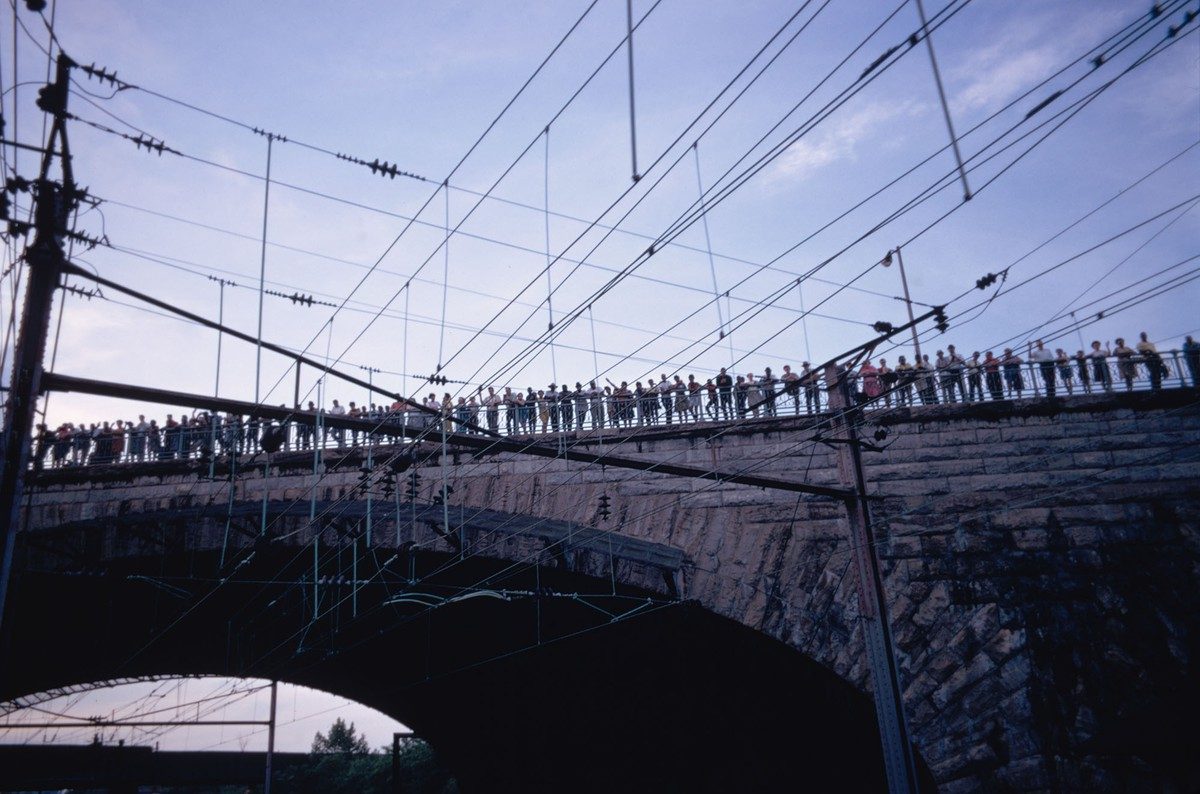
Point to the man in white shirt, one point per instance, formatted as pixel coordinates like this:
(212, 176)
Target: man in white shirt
(339, 433)
(666, 394)
(1045, 362)
(137, 439)
(491, 405)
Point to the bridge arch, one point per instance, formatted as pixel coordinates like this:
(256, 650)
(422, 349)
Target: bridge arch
(522, 689)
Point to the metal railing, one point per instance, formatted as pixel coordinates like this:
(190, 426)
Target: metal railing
(571, 413)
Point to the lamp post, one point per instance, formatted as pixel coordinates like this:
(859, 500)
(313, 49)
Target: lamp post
(887, 262)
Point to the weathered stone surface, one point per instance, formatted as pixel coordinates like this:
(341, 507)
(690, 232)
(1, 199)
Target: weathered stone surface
(1042, 564)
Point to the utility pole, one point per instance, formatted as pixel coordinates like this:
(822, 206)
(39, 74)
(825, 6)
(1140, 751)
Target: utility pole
(887, 262)
(270, 739)
(46, 259)
(885, 674)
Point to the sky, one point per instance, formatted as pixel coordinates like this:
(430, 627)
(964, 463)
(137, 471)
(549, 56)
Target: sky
(417, 84)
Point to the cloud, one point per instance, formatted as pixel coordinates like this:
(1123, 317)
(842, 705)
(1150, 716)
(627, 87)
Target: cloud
(1028, 49)
(837, 142)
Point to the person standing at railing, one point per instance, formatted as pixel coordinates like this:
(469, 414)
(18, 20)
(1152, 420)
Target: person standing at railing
(810, 379)
(1065, 373)
(905, 377)
(868, 375)
(1045, 361)
(712, 402)
(507, 402)
(81, 441)
(596, 403)
(666, 395)
(339, 433)
(647, 401)
(679, 398)
(887, 381)
(566, 408)
(541, 410)
(956, 368)
(526, 411)
(975, 378)
(491, 408)
(253, 425)
(154, 441)
(1012, 373)
(119, 441)
(137, 439)
(1100, 372)
(725, 392)
(232, 433)
(618, 404)
(462, 413)
(945, 377)
(306, 430)
(926, 383)
(429, 418)
(580, 396)
(753, 394)
(1081, 364)
(768, 386)
(1126, 365)
(1155, 367)
(791, 387)
(740, 390)
(353, 412)
(1191, 355)
(170, 437)
(187, 438)
(694, 391)
(62, 445)
(473, 408)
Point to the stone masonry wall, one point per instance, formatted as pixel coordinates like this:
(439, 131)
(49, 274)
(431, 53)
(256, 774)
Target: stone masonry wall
(1041, 563)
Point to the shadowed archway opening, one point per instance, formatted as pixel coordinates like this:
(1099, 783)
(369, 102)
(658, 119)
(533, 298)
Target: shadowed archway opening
(541, 686)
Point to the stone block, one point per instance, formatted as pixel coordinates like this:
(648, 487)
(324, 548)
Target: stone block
(962, 678)
(1004, 644)
(933, 606)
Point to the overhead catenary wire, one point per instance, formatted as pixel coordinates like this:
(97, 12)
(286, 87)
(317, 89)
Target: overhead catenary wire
(712, 265)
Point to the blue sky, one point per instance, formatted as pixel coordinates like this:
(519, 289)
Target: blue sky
(416, 84)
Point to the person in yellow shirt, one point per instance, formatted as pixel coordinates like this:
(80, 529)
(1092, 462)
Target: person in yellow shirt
(1155, 367)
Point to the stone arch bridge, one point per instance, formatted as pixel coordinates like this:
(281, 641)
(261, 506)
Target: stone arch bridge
(1040, 562)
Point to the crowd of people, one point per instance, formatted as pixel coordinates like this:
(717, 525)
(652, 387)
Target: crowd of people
(949, 378)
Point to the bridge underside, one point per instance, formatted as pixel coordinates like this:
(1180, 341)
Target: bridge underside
(548, 681)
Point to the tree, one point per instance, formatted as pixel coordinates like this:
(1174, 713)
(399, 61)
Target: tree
(342, 763)
(340, 739)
